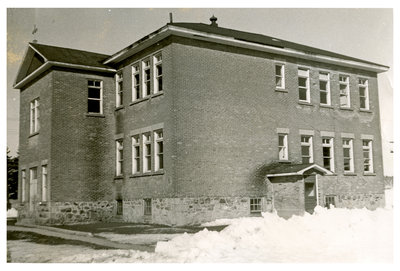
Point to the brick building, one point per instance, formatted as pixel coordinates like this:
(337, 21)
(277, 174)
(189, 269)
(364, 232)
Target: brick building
(196, 122)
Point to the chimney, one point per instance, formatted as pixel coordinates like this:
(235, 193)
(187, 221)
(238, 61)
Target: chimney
(170, 18)
(213, 20)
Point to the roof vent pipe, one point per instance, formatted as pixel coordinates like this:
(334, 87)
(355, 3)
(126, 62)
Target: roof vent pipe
(213, 20)
(171, 20)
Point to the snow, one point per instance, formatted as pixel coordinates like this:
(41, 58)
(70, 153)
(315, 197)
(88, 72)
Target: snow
(12, 213)
(334, 235)
(139, 239)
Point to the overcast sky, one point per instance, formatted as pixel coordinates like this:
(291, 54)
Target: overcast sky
(360, 33)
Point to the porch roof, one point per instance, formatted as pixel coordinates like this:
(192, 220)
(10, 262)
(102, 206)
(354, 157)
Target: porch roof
(281, 169)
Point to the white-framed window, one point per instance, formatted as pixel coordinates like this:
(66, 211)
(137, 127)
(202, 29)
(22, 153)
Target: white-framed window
(136, 82)
(119, 146)
(119, 82)
(95, 96)
(255, 205)
(304, 84)
(330, 200)
(307, 156)
(33, 176)
(159, 150)
(364, 93)
(44, 183)
(348, 158)
(283, 146)
(328, 153)
(23, 185)
(158, 73)
(324, 88)
(280, 76)
(344, 91)
(367, 155)
(146, 74)
(136, 154)
(34, 116)
(146, 139)
(147, 206)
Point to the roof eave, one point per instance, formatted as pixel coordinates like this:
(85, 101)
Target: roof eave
(301, 172)
(50, 64)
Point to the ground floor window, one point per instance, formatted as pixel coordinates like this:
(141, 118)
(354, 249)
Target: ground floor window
(119, 207)
(330, 200)
(255, 205)
(147, 206)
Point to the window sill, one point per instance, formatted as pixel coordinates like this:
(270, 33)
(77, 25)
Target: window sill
(119, 107)
(146, 174)
(346, 108)
(284, 161)
(118, 177)
(157, 94)
(95, 115)
(281, 90)
(326, 106)
(349, 174)
(365, 110)
(32, 135)
(305, 103)
(369, 174)
(147, 98)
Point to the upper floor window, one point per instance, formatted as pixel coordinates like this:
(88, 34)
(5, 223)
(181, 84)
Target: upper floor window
(119, 157)
(119, 89)
(158, 82)
(307, 149)
(146, 77)
(146, 152)
(328, 154)
(135, 154)
(44, 183)
(348, 159)
(367, 155)
(304, 85)
(34, 116)
(136, 82)
(280, 76)
(324, 88)
(159, 150)
(283, 146)
(364, 95)
(344, 91)
(95, 96)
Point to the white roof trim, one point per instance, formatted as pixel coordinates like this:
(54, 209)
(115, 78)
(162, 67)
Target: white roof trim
(301, 172)
(34, 49)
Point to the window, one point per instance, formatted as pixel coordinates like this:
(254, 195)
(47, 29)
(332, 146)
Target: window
(304, 85)
(135, 154)
(324, 88)
(306, 149)
(348, 159)
(146, 77)
(255, 205)
(95, 96)
(44, 183)
(367, 154)
(147, 152)
(282, 146)
(120, 89)
(23, 186)
(147, 206)
(119, 157)
(158, 84)
(330, 200)
(364, 95)
(119, 207)
(344, 91)
(33, 183)
(136, 82)
(328, 154)
(34, 116)
(280, 76)
(159, 150)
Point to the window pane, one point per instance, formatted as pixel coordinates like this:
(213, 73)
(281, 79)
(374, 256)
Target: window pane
(303, 94)
(326, 151)
(362, 102)
(323, 85)
(278, 70)
(278, 81)
(305, 150)
(327, 163)
(97, 83)
(93, 106)
(159, 70)
(94, 93)
(324, 98)
(302, 82)
(346, 152)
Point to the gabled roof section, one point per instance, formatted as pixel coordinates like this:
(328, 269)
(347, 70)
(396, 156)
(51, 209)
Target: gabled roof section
(243, 39)
(281, 169)
(40, 57)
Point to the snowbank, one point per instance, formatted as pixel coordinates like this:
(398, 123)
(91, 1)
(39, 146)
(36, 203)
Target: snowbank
(12, 213)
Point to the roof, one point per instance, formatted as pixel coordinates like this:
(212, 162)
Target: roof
(262, 39)
(71, 56)
(287, 169)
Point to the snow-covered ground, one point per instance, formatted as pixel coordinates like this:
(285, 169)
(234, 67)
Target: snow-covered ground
(335, 235)
(12, 213)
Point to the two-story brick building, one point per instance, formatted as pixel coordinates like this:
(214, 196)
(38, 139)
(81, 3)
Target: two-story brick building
(196, 122)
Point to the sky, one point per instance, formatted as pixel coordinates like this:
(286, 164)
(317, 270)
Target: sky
(362, 33)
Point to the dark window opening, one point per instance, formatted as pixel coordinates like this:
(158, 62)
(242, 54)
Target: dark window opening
(147, 206)
(330, 200)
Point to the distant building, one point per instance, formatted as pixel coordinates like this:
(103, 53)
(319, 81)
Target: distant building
(196, 122)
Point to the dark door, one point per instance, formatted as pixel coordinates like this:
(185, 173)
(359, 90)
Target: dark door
(310, 194)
